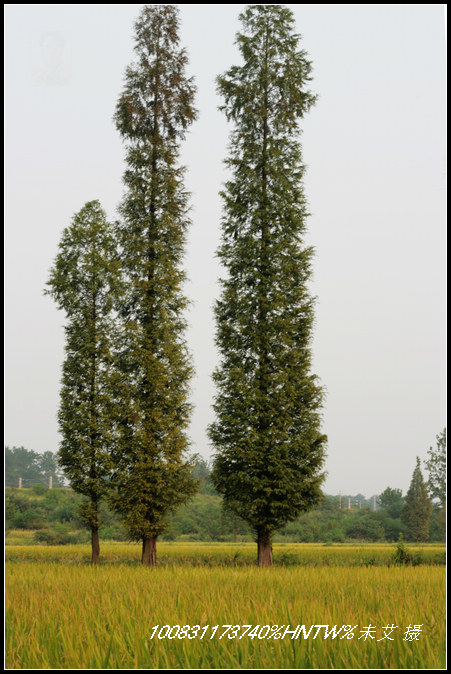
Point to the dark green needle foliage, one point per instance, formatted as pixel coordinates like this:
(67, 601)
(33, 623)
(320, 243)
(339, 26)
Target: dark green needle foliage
(153, 113)
(416, 514)
(267, 431)
(85, 282)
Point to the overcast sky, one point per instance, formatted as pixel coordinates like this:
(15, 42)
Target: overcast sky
(374, 146)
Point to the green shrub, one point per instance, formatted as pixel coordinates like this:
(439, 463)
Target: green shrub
(30, 519)
(50, 537)
(39, 489)
(402, 556)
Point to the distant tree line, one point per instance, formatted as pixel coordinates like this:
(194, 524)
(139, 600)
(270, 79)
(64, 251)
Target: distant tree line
(33, 468)
(54, 515)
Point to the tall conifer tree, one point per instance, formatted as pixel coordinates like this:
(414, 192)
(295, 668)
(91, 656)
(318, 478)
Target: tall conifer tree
(85, 282)
(416, 514)
(153, 113)
(267, 431)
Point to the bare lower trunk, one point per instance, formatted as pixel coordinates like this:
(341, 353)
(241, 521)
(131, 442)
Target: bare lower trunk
(95, 546)
(149, 556)
(264, 549)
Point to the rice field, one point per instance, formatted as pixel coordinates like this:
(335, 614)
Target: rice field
(229, 554)
(63, 613)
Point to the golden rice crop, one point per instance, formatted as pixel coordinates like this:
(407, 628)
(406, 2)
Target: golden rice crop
(62, 615)
(220, 554)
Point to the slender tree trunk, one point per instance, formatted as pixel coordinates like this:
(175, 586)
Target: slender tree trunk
(95, 546)
(149, 556)
(264, 549)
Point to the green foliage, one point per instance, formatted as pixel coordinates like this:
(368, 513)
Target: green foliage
(402, 556)
(20, 462)
(393, 528)
(31, 518)
(154, 110)
(437, 527)
(436, 466)
(442, 521)
(57, 511)
(267, 431)
(10, 512)
(364, 525)
(201, 472)
(39, 489)
(204, 519)
(62, 506)
(392, 501)
(417, 510)
(60, 535)
(49, 537)
(89, 514)
(31, 467)
(199, 519)
(48, 464)
(85, 282)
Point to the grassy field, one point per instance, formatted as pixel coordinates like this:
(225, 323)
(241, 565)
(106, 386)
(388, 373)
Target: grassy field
(63, 613)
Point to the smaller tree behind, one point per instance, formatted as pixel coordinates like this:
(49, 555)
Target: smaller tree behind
(416, 514)
(84, 281)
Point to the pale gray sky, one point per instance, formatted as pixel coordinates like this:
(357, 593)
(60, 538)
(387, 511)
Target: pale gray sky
(374, 146)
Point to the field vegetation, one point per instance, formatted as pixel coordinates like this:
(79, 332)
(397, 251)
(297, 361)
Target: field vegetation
(51, 516)
(231, 555)
(62, 612)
